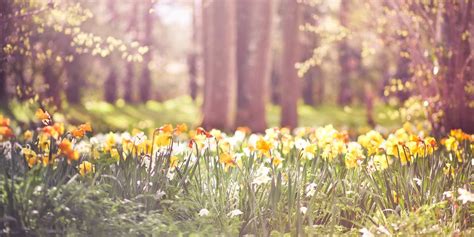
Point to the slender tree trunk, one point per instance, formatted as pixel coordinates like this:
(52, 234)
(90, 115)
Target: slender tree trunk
(51, 78)
(145, 83)
(6, 25)
(130, 67)
(345, 55)
(207, 56)
(111, 86)
(74, 82)
(111, 83)
(290, 83)
(219, 111)
(193, 56)
(253, 62)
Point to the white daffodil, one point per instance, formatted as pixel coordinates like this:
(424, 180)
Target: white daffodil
(203, 212)
(235, 213)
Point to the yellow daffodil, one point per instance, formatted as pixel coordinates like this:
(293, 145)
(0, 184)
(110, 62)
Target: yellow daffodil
(85, 168)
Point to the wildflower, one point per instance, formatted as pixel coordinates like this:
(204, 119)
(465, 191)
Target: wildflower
(451, 144)
(80, 131)
(54, 131)
(310, 189)
(381, 162)
(167, 128)
(5, 133)
(202, 131)
(114, 154)
(30, 156)
(163, 139)
(86, 167)
(66, 149)
(174, 161)
(4, 122)
(371, 141)
(354, 155)
(181, 128)
(43, 116)
(303, 210)
(276, 160)
(216, 133)
(28, 135)
(366, 233)
(235, 213)
(203, 212)
(226, 159)
(465, 196)
(261, 176)
(264, 146)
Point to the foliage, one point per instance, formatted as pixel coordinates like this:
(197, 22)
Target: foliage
(57, 180)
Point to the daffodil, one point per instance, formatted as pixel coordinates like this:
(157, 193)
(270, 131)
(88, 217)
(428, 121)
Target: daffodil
(354, 155)
(264, 146)
(30, 156)
(85, 168)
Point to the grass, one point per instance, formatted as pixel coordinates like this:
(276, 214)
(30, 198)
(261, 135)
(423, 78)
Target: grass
(121, 116)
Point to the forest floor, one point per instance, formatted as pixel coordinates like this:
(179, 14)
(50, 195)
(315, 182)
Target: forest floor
(121, 116)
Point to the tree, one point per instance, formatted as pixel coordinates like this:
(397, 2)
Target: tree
(192, 59)
(439, 37)
(111, 83)
(220, 78)
(290, 56)
(130, 67)
(145, 82)
(346, 59)
(253, 62)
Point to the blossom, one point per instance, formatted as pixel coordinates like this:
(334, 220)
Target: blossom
(303, 210)
(86, 167)
(203, 212)
(261, 176)
(66, 149)
(353, 155)
(371, 141)
(366, 233)
(235, 213)
(264, 146)
(80, 131)
(310, 189)
(30, 156)
(43, 116)
(465, 196)
(226, 159)
(451, 144)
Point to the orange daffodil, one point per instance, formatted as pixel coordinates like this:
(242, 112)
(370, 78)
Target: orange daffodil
(80, 131)
(5, 131)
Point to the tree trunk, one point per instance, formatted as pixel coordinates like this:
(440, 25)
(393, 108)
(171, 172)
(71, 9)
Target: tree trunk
(111, 83)
(457, 111)
(6, 25)
(145, 82)
(130, 68)
(345, 57)
(192, 59)
(111, 87)
(74, 80)
(253, 62)
(290, 82)
(51, 79)
(219, 111)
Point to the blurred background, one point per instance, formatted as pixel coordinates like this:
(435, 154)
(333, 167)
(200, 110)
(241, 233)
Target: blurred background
(123, 64)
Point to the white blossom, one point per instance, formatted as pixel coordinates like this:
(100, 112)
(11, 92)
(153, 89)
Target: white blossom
(235, 213)
(203, 212)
